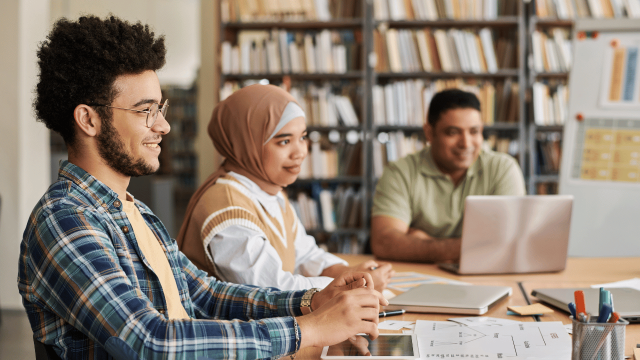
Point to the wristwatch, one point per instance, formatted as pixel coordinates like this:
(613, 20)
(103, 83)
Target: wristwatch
(305, 305)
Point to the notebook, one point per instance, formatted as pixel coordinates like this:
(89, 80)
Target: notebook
(514, 234)
(449, 298)
(626, 301)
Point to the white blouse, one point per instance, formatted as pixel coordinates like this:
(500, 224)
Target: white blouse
(244, 256)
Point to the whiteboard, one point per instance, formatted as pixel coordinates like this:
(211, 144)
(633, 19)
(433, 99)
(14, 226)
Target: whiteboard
(606, 212)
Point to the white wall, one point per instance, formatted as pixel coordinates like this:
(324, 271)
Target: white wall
(24, 158)
(178, 20)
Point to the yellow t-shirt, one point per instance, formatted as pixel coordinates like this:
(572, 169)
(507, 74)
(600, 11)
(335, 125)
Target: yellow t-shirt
(156, 257)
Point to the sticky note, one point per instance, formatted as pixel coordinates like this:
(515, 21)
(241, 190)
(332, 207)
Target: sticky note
(533, 309)
(509, 312)
(636, 353)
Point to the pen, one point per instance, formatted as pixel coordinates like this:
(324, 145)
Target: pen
(391, 313)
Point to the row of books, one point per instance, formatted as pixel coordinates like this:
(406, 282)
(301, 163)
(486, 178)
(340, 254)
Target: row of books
(326, 161)
(550, 103)
(571, 9)
(549, 151)
(393, 146)
(443, 9)
(329, 209)
(390, 147)
(551, 50)
(452, 50)
(324, 105)
(407, 102)
(288, 10)
(281, 51)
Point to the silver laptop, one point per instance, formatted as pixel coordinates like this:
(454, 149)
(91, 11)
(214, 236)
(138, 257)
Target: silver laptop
(449, 299)
(514, 234)
(626, 301)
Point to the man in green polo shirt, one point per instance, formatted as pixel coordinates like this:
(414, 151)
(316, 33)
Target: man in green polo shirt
(419, 200)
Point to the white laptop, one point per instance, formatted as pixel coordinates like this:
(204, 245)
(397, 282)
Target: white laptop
(449, 299)
(514, 234)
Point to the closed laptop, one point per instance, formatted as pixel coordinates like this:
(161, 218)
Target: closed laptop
(449, 298)
(626, 301)
(514, 234)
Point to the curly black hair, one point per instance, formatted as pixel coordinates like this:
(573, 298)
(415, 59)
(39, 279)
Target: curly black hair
(80, 61)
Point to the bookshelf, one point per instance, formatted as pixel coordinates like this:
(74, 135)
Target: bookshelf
(496, 82)
(548, 84)
(178, 158)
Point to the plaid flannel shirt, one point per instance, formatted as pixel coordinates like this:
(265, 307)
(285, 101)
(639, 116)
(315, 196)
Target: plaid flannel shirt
(89, 291)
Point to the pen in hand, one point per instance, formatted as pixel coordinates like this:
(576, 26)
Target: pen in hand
(391, 313)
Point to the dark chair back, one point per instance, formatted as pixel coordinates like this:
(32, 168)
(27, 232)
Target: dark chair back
(44, 352)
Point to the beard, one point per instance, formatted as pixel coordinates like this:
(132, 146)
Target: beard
(112, 150)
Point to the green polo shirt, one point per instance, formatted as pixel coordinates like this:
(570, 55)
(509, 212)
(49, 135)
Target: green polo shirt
(415, 191)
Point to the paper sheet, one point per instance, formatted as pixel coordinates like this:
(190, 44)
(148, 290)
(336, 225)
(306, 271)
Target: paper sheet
(395, 325)
(439, 339)
(484, 321)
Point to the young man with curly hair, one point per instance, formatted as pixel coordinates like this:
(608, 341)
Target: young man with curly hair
(98, 273)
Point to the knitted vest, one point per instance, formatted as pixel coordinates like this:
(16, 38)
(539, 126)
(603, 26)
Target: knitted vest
(228, 203)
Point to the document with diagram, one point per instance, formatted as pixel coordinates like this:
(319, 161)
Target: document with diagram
(539, 340)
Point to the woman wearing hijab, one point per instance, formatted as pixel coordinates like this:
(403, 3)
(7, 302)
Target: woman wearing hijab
(239, 225)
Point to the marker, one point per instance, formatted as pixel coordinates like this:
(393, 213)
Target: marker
(580, 304)
(614, 319)
(391, 313)
(604, 314)
(572, 309)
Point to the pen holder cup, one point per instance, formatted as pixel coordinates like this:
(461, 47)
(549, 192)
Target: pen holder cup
(598, 341)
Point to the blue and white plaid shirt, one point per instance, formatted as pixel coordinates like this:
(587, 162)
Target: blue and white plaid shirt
(89, 291)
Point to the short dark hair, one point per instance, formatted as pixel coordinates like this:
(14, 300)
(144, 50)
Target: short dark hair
(450, 99)
(80, 61)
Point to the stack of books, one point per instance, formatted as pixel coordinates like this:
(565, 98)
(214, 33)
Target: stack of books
(324, 105)
(571, 9)
(279, 10)
(389, 147)
(551, 50)
(407, 102)
(443, 9)
(327, 160)
(287, 52)
(448, 50)
(329, 209)
(549, 151)
(550, 103)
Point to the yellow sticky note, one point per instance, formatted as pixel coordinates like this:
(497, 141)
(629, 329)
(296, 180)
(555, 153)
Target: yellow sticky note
(636, 353)
(533, 309)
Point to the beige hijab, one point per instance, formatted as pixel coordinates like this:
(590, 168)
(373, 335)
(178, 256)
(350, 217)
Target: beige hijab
(240, 125)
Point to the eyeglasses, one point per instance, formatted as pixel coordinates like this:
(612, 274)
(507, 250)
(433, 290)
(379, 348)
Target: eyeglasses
(153, 111)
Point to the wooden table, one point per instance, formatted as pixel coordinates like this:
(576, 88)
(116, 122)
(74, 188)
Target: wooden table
(580, 272)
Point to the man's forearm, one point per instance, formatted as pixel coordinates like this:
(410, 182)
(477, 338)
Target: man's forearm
(414, 246)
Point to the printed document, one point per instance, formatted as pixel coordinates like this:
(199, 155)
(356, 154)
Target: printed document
(530, 340)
